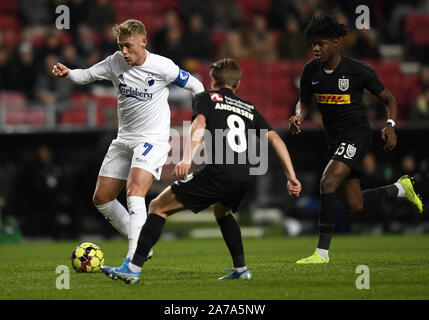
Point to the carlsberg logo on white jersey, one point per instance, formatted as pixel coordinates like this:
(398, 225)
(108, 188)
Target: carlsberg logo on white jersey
(129, 91)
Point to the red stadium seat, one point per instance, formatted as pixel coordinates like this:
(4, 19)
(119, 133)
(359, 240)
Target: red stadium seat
(415, 22)
(278, 68)
(65, 38)
(9, 22)
(165, 5)
(12, 99)
(9, 6)
(25, 116)
(420, 38)
(179, 115)
(411, 88)
(388, 67)
(297, 66)
(81, 99)
(252, 7)
(143, 7)
(77, 114)
(74, 116)
(105, 105)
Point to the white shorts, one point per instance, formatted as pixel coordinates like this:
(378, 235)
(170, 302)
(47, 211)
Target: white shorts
(122, 156)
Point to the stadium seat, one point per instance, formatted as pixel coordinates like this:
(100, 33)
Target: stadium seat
(73, 116)
(25, 116)
(178, 115)
(65, 38)
(415, 22)
(165, 5)
(12, 99)
(297, 66)
(252, 7)
(278, 68)
(219, 38)
(388, 67)
(106, 106)
(80, 99)
(411, 87)
(9, 6)
(420, 38)
(9, 22)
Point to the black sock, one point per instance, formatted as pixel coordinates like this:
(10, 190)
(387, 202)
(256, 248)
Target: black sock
(327, 219)
(149, 235)
(373, 198)
(232, 235)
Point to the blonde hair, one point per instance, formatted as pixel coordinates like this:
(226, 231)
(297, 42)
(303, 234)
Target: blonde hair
(129, 28)
(225, 72)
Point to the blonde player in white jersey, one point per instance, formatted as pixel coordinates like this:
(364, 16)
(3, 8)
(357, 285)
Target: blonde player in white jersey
(141, 80)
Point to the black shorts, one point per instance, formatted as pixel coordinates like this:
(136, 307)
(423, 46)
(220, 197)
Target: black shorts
(202, 189)
(351, 151)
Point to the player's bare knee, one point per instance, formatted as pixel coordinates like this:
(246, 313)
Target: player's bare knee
(328, 184)
(155, 206)
(133, 189)
(99, 199)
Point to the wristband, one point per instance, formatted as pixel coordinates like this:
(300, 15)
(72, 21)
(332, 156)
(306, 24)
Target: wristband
(392, 123)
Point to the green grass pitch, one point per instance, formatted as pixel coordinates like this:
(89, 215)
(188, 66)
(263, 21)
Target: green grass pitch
(188, 269)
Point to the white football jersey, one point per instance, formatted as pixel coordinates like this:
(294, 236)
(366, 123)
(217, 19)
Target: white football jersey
(142, 92)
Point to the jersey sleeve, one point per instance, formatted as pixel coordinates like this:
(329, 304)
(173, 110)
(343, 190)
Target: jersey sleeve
(200, 105)
(100, 71)
(305, 87)
(371, 81)
(175, 75)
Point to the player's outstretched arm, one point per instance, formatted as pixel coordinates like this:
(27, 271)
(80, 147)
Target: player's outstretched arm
(388, 133)
(293, 184)
(181, 170)
(99, 71)
(299, 116)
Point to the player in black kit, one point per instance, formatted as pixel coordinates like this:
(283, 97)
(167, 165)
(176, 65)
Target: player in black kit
(337, 83)
(222, 120)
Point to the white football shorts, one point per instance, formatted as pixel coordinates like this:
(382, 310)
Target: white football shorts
(122, 156)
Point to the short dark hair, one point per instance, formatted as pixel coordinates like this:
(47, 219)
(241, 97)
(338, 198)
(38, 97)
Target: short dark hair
(325, 26)
(226, 72)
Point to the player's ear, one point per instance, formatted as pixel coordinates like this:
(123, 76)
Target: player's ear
(212, 83)
(238, 84)
(144, 42)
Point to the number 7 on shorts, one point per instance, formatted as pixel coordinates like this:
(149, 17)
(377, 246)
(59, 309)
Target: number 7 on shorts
(148, 147)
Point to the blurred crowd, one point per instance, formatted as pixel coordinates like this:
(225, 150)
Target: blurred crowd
(189, 31)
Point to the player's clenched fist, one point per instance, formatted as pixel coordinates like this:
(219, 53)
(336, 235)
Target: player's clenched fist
(181, 170)
(60, 70)
(294, 123)
(294, 187)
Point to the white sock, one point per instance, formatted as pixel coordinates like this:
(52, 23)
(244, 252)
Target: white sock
(401, 190)
(241, 269)
(116, 214)
(134, 268)
(137, 218)
(323, 253)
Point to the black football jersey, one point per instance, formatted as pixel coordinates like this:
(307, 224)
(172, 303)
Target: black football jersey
(339, 94)
(231, 127)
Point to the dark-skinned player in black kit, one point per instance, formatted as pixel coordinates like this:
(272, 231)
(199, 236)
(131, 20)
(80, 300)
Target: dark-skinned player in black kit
(337, 83)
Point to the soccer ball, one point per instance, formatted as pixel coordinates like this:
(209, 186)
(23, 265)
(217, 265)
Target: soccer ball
(87, 257)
